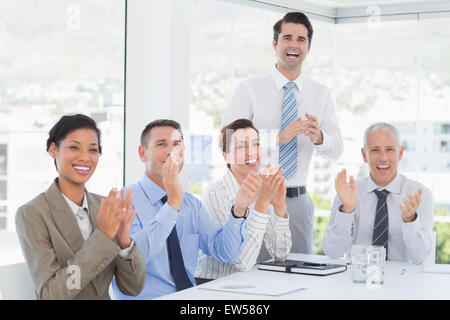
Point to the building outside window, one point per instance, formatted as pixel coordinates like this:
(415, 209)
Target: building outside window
(57, 57)
(381, 76)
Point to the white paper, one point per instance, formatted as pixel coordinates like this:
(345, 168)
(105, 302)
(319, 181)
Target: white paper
(254, 286)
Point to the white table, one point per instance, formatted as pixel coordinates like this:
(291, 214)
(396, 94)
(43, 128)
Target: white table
(410, 285)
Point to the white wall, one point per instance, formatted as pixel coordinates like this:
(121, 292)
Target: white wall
(157, 71)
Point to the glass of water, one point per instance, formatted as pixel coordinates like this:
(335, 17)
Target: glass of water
(376, 262)
(359, 263)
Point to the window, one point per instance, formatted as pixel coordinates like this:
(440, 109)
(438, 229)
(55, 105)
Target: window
(3, 159)
(2, 190)
(442, 128)
(445, 128)
(398, 73)
(230, 43)
(444, 146)
(69, 60)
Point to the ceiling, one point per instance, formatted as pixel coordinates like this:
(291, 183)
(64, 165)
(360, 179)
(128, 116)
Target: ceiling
(343, 3)
(353, 11)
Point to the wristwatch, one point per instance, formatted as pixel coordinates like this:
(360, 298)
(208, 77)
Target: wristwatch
(247, 211)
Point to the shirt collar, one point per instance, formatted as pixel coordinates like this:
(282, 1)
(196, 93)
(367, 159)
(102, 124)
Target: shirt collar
(393, 187)
(153, 192)
(74, 207)
(281, 80)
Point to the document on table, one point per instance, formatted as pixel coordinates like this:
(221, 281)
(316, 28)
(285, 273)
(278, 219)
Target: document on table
(254, 286)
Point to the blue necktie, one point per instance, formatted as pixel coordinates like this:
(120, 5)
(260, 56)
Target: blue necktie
(177, 268)
(288, 151)
(381, 226)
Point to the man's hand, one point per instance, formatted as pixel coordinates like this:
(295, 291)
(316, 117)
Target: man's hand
(346, 191)
(309, 128)
(313, 130)
(247, 193)
(123, 234)
(292, 130)
(170, 179)
(410, 206)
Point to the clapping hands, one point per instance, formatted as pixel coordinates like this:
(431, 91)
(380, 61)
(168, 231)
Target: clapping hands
(410, 206)
(115, 217)
(247, 193)
(273, 191)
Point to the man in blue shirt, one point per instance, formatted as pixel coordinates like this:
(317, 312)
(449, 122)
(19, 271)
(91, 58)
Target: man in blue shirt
(171, 226)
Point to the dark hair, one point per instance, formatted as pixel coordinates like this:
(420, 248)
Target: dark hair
(227, 131)
(68, 124)
(158, 123)
(293, 17)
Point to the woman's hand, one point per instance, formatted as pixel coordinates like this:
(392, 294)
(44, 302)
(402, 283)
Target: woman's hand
(106, 220)
(112, 211)
(123, 234)
(279, 196)
(269, 178)
(247, 193)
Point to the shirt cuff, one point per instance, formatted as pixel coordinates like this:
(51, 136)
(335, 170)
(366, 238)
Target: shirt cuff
(325, 142)
(279, 219)
(125, 252)
(257, 221)
(410, 228)
(344, 220)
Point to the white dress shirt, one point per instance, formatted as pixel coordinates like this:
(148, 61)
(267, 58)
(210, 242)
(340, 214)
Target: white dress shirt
(406, 241)
(260, 100)
(218, 199)
(83, 220)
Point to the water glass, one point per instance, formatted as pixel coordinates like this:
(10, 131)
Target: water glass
(359, 263)
(376, 262)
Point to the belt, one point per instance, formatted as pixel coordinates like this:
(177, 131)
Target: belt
(295, 192)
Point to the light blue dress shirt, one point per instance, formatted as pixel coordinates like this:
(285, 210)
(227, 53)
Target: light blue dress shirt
(153, 224)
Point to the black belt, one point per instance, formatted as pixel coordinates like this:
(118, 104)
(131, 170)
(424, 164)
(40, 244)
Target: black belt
(295, 192)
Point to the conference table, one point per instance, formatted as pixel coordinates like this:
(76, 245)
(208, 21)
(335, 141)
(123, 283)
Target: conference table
(402, 281)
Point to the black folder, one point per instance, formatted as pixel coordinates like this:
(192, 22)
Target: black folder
(304, 267)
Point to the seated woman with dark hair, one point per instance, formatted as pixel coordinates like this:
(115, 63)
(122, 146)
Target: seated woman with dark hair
(75, 241)
(269, 235)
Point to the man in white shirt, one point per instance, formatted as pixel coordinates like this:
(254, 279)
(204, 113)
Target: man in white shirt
(301, 109)
(385, 208)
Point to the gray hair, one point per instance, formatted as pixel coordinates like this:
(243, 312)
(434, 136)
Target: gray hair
(382, 126)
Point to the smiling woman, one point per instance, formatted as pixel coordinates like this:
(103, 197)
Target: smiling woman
(75, 241)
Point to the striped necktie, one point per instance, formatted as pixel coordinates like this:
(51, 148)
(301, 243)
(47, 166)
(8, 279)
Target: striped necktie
(381, 226)
(177, 268)
(288, 151)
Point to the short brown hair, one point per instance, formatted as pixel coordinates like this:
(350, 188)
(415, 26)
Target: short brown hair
(293, 17)
(158, 123)
(227, 131)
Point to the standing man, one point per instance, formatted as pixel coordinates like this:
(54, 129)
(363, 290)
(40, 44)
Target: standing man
(301, 109)
(385, 209)
(172, 225)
